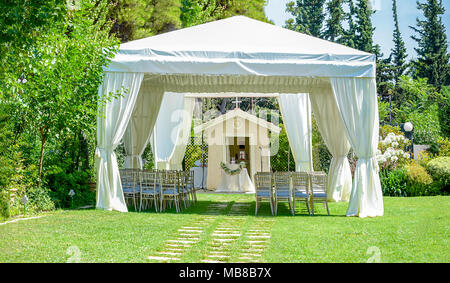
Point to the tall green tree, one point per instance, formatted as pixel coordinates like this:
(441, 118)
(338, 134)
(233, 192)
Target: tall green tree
(349, 35)
(384, 73)
(131, 18)
(135, 19)
(59, 74)
(166, 16)
(308, 16)
(364, 28)
(432, 56)
(194, 12)
(333, 27)
(398, 54)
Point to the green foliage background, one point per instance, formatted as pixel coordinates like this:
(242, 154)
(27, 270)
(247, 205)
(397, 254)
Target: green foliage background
(52, 55)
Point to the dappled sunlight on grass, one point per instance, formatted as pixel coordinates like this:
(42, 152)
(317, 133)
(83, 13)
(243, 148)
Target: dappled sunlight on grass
(412, 230)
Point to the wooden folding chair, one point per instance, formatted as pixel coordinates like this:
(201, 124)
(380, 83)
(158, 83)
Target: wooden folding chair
(318, 189)
(300, 188)
(263, 189)
(282, 184)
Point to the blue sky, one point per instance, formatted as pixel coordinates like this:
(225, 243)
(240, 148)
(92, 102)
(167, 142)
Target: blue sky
(382, 21)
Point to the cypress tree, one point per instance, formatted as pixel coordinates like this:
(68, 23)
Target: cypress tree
(364, 29)
(334, 30)
(432, 60)
(398, 54)
(349, 35)
(308, 16)
(384, 73)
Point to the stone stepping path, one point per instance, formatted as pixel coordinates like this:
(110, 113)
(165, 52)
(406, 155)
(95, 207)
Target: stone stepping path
(226, 234)
(256, 239)
(239, 209)
(189, 235)
(233, 239)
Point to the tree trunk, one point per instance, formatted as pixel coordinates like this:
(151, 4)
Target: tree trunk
(41, 158)
(84, 151)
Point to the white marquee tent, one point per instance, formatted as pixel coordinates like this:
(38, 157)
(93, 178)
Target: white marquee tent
(242, 55)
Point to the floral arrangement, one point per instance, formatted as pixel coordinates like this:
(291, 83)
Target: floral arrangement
(390, 153)
(230, 171)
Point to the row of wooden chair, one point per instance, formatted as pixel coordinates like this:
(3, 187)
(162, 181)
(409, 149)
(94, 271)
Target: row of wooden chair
(145, 188)
(305, 187)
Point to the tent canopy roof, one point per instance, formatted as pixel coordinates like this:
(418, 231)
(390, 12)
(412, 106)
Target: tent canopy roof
(241, 46)
(237, 112)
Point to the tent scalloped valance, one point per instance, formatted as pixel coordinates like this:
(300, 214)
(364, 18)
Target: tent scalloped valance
(186, 83)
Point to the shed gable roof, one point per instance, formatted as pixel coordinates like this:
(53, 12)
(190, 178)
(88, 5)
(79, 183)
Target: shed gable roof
(239, 113)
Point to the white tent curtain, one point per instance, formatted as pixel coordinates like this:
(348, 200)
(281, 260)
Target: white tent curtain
(296, 113)
(184, 135)
(333, 133)
(111, 124)
(141, 125)
(165, 132)
(357, 102)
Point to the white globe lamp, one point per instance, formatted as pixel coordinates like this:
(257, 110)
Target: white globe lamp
(408, 127)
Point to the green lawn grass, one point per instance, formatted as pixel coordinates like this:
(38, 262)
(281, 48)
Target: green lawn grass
(412, 230)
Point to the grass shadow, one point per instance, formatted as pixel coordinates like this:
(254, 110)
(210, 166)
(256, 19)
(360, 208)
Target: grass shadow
(201, 208)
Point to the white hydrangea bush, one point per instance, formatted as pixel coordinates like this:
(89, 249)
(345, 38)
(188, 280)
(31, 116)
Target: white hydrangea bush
(391, 153)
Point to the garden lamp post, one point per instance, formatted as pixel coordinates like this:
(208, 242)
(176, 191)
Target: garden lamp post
(390, 107)
(24, 201)
(408, 130)
(71, 195)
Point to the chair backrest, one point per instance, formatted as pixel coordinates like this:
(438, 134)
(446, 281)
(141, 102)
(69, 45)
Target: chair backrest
(300, 181)
(183, 179)
(319, 182)
(130, 179)
(169, 179)
(191, 178)
(282, 180)
(188, 179)
(149, 181)
(263, 181)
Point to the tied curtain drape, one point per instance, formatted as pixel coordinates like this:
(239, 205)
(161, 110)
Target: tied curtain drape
(332, 130)
(357, 103)
(184, 135)
(112, 122)
(141, 125)
(296, 113)
(172, 131)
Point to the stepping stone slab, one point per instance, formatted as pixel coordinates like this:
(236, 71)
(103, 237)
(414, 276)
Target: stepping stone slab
(173, 250)
(175, 245)
(188, 235)
(261, 236)
(247, 254)
(224, 240)
(162, 258)
(169, 253)
(226, 235)
(182, 241)
(217, 252)
(254, 250)
(219, 256)
(188, 230)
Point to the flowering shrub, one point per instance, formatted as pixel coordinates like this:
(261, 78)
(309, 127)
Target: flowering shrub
(420, 183)
(390, 153)
(444, 146)
(439, 168)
